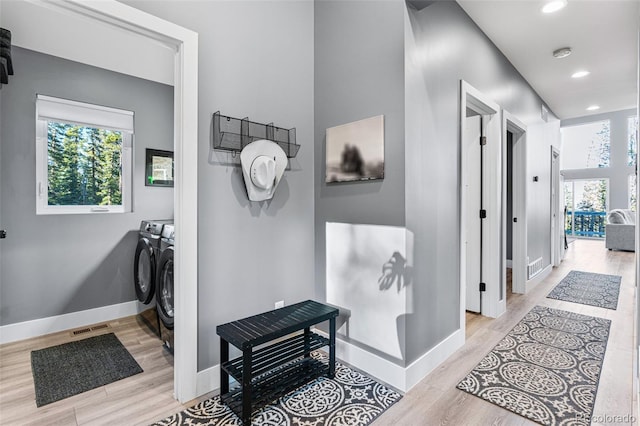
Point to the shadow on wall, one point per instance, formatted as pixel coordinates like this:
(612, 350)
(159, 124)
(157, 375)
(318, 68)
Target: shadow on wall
(111, 281)
(369, 277)
(395, 270)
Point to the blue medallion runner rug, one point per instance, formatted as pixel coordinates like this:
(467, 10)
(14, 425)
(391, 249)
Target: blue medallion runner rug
(350, 398)
(588, 288)
(546, 369)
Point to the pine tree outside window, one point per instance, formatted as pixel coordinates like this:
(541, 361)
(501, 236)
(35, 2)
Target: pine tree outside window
(83, 157)
(632, 137)
(632, 193)
(586, 146)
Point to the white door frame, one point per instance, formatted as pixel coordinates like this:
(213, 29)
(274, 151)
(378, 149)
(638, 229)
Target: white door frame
(519, 199)
(185, 44)
(475, 101)
(556, 221)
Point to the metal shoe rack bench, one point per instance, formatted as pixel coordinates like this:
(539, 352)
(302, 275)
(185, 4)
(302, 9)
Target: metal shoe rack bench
(271, 371)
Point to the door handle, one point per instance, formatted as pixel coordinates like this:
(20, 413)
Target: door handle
(3, 234)
(515, 219)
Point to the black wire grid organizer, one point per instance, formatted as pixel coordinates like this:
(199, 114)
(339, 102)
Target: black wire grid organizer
(233, 134)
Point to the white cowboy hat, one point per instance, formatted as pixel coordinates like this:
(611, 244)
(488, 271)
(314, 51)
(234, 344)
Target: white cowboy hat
(263, 163)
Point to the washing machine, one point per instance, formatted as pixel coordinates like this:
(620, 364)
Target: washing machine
(164, 286)
(146, 259)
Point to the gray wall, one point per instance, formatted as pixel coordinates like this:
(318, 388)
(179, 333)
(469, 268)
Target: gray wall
(377, 58)
(56, 264)
(256, 61)
(443, 46)
(358, 74)
(618, 172)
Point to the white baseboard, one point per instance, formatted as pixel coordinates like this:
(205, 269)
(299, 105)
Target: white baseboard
(530, 284)
(39, 327)
(384, 370)
(428, 362)
(401, 378)
(509, 263)
(208, 380)
(380, 368)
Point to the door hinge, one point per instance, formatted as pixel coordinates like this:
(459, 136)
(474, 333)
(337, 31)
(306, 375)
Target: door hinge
(483, 214)
(483, 140)
(483, 287)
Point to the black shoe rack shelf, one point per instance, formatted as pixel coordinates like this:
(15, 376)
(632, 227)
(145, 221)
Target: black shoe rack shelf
(267, 371)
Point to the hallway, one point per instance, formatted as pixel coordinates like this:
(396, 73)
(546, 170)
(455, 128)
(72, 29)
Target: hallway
(436, 401)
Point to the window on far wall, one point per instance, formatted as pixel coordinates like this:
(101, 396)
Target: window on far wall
(632, 137)
(586, 146)
(632, 192)
(83, 157)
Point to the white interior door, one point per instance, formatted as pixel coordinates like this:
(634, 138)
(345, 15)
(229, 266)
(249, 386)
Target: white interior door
(473, 240)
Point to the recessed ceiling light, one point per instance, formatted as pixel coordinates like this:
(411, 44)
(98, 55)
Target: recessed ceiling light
(580, 74)
(563, 52)
(554, 6)
(593, 108)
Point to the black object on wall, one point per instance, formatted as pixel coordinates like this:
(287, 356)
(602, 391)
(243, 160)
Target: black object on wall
(233, 134)
(6, 64)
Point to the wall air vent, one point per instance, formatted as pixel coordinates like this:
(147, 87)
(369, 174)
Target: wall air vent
(534, 268)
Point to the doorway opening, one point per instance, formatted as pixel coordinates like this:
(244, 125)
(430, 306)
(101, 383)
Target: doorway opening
(515, 211)
(481, 204)
(183, 43)
(587, 203)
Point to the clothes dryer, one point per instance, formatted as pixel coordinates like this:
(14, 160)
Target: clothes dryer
(164, 287)
(146, 258)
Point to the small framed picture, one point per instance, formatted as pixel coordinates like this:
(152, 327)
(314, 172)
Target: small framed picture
(355, 151)
(159, 170)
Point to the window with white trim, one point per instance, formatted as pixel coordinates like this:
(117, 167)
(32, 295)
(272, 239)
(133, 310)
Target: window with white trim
(83, 157)
(633, 193)
(586, 146)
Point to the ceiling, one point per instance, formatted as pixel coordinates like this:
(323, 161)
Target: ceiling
(47, 27)
(602, 34)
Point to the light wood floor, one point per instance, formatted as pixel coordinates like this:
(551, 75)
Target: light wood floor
(436, 401)
(139, 399)
(147, 397)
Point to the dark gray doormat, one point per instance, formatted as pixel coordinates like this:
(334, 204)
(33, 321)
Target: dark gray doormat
(72, 368)
(588, 288)
(546, 369)
(350, 398)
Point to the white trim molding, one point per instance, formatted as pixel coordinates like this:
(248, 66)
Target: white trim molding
(184, 44)
(401, 378)
(39, 327)
(428, 362)
(538, 278)
(472, 100)
(208, 380)
(519, 200)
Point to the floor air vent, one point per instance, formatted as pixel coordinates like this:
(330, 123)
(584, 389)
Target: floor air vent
(100, 327)
(89, 329)
(534, 268)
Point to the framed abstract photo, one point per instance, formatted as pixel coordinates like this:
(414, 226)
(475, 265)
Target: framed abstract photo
(355, 151)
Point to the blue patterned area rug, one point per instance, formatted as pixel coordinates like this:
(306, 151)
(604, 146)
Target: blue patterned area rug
(588, 288)
(546, 369)
(350, 398)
